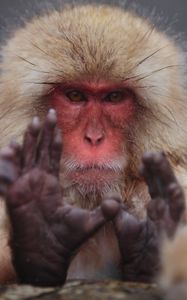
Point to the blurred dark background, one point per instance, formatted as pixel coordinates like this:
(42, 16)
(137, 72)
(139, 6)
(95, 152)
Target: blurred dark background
(171, 13)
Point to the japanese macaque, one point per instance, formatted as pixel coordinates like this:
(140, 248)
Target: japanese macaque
(113, 88)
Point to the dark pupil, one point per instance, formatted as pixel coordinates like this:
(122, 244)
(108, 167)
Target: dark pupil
(75, 96)
(115, 96)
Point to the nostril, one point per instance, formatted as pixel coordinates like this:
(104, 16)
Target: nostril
(88, 139)
(94, 140)
(99, 140)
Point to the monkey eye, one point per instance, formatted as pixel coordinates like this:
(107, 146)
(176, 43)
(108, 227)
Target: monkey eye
(76, 96)
(114, 97)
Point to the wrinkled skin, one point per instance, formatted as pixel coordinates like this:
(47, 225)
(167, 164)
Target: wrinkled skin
(47, 232)
(140, 241)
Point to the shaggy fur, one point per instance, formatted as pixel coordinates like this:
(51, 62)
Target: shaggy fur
(101, 43)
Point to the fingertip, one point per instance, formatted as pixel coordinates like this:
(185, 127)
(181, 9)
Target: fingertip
(51, 117)
(35, 125)
(36, 121)
(110, 207)
(151, 158)
(52, 111)
(158, 157)
(147, 156)
(7, 152)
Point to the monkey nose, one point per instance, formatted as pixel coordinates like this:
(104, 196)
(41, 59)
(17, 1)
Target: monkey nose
(94, 138)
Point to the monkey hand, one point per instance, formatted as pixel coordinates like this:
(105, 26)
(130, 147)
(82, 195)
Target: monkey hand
(140, 241)
(46, 232)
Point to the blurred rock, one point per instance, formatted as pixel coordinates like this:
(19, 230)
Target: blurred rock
(76, 290)
(105, 290)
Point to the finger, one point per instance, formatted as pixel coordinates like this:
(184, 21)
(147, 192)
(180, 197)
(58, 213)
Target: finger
(17, 158)
(158, 173)
(56, 152)
(30, 144)
(87, 222)
(7, 153)
(163, 169)
(46, 140)
(130, 232)
(149, 172)
(9, 166)
(97, 218)
(8, 174)
(152, 182)
(176, 201)
(156, 209)
(126, 223)
(8, 169)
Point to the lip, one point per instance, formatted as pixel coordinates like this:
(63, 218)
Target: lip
(93, 168)
(71, 166)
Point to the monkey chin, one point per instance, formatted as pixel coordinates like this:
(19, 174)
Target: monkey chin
(88, 186)
(94, 177)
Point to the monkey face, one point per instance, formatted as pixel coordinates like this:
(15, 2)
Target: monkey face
(93, 119)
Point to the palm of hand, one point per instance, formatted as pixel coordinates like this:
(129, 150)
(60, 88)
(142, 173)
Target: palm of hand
(46, 232)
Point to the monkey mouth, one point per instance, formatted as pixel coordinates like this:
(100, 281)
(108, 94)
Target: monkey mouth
(93, 175)
(71, 166)
(95, 168)
(93, 172)
(97, 175)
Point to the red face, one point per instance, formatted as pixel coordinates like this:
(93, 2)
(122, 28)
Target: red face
(94, 119)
